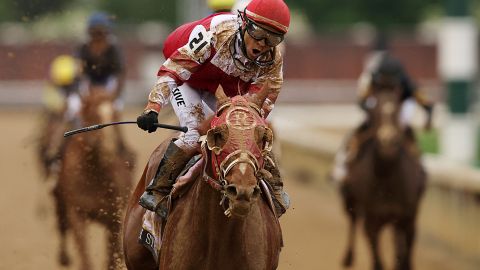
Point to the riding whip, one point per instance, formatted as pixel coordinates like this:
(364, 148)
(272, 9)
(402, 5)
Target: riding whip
(100, 126)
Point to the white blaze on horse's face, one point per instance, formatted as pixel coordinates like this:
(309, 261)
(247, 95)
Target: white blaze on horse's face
(388, 133)
(105, 110)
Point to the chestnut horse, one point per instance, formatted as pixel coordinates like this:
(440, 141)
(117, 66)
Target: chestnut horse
(386, 181)
(94, 183)
(199, 233)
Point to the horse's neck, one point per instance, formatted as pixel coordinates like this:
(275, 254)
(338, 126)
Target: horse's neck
(197, 228)
(212, 220)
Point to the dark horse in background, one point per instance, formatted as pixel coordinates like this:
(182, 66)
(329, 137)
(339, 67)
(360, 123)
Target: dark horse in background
(94, 182)
(386, 181)
(225, 223)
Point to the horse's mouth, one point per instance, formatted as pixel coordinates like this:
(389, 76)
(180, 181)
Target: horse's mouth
(240, 209)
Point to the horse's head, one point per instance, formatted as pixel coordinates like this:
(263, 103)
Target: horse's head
(97, 106)
(384, 114)
(238, 141)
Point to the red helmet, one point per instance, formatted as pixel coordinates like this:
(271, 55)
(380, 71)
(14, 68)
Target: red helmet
(273, 13)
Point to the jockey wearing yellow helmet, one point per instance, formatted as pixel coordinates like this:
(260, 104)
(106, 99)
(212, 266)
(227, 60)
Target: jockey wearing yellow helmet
(64, 80)
(237, 52)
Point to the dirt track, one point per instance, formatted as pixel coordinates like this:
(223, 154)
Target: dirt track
(314, 229)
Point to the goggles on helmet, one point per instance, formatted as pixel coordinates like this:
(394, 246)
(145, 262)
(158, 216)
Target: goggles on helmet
(258, 33)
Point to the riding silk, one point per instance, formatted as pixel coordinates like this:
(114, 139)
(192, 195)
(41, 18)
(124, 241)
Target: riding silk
(207, 53)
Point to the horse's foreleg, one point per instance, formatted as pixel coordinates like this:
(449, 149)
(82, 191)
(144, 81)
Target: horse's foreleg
(62, 225)
(114, 251)
(136, 255)
(372, 230)
(79, 229)
(404, 239)
(352, 216)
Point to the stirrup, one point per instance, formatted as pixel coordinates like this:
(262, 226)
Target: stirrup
(163, 207)
(150, 200)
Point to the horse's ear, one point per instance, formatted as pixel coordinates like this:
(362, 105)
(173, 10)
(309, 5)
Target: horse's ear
(259, 97)
(221, 97)
(217, 138)
(264, 137)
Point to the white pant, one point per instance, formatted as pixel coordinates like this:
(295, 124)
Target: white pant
(407, 111)
(191, 107)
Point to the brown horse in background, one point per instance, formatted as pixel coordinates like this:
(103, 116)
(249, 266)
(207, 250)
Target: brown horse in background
(199, 233)
(386, 181)
(94, 182)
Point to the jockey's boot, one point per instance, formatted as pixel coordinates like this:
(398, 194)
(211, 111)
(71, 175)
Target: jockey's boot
(155, 198)
(281, 200)
(355, 141)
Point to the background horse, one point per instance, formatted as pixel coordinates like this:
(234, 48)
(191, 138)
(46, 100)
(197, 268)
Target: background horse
(94, 182)
(386, 180)
(198, 234)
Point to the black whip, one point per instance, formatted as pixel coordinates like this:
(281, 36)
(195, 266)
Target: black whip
(100, 126)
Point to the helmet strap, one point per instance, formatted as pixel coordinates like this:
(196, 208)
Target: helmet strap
(257, 60)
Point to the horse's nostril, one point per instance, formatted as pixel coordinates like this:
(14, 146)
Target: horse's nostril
(231, 190)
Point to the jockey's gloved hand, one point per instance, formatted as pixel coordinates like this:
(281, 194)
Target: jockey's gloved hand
(147, 121)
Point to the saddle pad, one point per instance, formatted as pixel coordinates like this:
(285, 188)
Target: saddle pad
(151, 233)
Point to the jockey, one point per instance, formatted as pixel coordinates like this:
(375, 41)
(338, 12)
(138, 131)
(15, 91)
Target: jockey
(101, 58)
(63, 86)
(61, 102)
(378, 64)
(237, 52)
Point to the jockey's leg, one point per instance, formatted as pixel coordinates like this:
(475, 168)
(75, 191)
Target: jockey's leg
(190, 108)
(348, 153)
(172, 163)
(355, 141)
(406, 114)
(281, 200)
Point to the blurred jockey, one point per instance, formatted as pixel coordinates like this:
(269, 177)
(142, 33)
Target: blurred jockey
(64, 79)
(380, 63)
(101, 59)
(61, 102)
(102, 67)
(220, 5)
(238, 52)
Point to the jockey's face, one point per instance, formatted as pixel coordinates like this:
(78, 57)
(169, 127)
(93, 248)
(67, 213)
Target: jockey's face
(98, 33)
(259, 39)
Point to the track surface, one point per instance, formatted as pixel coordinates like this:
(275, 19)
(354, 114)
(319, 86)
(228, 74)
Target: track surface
(314, 229)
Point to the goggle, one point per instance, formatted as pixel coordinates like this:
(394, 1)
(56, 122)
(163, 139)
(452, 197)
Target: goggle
(258, 33)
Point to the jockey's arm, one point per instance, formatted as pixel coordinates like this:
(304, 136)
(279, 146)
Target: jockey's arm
(364, 89)
(427, 105)
(179, 67)
(119, 72)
